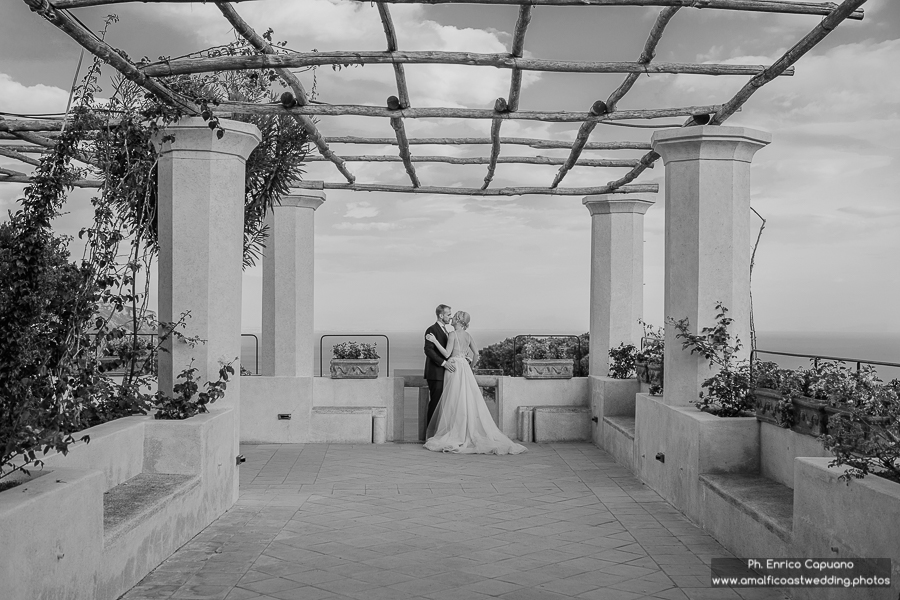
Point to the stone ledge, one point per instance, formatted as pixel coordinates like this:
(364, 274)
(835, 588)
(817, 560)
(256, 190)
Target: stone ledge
(561, 423)
(344, 410)
(134, 501)
(769, 503)
(625, 425)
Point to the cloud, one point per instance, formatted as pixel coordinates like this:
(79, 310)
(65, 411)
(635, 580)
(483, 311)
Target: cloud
(30, 99)
(360, 210)
(365, 226)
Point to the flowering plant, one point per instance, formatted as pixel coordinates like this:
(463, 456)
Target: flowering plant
(354, 350)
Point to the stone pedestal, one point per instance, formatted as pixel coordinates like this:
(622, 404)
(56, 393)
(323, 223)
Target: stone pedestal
(617, 273)
(201, 225)
(708, 242)
(288, 280)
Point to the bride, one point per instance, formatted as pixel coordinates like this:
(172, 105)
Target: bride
(462, 422)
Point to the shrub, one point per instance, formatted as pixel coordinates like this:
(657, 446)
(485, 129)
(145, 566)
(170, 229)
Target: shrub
(187, 399)
(547, 349)
(622, 364)
(354, 350)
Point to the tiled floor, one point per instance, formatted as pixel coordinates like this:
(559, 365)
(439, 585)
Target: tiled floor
(395, 522)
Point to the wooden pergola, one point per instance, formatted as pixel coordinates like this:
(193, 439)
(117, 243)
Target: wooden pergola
(35, 136)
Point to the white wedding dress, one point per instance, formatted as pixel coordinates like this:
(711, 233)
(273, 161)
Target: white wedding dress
(462, 423)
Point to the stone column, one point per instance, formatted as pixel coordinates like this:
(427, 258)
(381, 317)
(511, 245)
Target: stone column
(287, 302)
(708, 243)
(617, 273)
(201, 224)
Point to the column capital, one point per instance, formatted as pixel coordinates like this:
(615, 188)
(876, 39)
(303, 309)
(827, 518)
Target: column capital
(308, 199)
(193, 135)
(709, 142)
(605, 204)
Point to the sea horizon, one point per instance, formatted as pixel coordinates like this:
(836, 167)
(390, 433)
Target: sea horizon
(406, 346)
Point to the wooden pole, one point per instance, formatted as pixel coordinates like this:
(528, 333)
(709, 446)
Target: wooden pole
(402, 92)
(332, 110)
(453, 191)
(532, 142)
(294, 60)
(258, 42)
(485, 160)
(646, 55)
(799, 8)
(26, 179)
(516, 50)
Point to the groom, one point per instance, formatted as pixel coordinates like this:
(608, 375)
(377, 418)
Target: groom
(434, 360)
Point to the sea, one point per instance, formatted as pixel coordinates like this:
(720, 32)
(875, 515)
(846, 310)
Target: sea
(401, 351)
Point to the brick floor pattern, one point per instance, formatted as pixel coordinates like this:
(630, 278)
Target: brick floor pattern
(397, 522)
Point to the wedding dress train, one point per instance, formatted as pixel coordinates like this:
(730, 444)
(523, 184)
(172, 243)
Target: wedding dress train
(462, 422)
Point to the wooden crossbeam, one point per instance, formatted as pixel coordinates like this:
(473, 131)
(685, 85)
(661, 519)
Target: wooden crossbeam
(258, 42)
(768, 6)
(843, 11)
(90, 42)
(402, 93)
(39, 140)
(11, 173)
(818, 33)
(484, 160)
(23, 148)
(80, 183)
(646, 55)
(333, 110)
(16, 155)
(651, 188)
(295, 60)
(532, 142)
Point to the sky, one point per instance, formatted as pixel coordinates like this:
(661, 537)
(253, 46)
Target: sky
(827, 185)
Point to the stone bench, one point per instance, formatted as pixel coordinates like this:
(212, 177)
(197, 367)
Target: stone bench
(748, 513)
(143, 498)
(348, 424)
(555, 424)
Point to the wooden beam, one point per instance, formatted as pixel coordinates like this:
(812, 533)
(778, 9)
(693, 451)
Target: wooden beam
(532, 142)
(333, 110)
(23, 148)
(826, 26)
(453, 191)
(90, 42)
(15, 155)
(516, 50)
(294, 60)
(646, 55)
(495, 152)
(258, 42)
(485, 160)
(769, 6)
(26, 179)
(402, 92)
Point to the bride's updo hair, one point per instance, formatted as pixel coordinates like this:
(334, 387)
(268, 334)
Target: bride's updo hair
(463, 318)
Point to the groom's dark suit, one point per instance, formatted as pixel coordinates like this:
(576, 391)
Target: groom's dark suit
(434, 372)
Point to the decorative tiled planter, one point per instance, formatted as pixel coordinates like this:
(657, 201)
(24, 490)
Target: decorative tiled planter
(354, 368)
(767, 402)
(809, 416)
(557, 368)
(643, 371)
(655, 373)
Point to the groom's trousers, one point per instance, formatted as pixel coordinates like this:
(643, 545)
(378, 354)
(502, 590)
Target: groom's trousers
(435, 388)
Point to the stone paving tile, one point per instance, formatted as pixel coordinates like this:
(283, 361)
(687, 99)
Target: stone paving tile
(396, 522)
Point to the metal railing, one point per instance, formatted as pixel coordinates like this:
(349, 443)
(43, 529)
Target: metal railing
(817, 357)
(578, 354)
(256, 339)
(387, 343)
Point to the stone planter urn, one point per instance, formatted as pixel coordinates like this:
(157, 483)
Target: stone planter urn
(549, 368)
(655, 373)
(767, 402)
(809, 416)
(354, 368)
(642, 371)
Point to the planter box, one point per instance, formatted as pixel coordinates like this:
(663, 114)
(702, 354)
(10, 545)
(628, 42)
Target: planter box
(556, 368)
(643, 371)
(767, 402)
(809, 416)
(655, 374)
(354, 368)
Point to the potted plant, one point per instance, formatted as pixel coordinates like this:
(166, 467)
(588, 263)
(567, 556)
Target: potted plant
(547, 358)
(621, 364)
(772, 393)
(354, 360)
(651, 353)
(642, 365)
